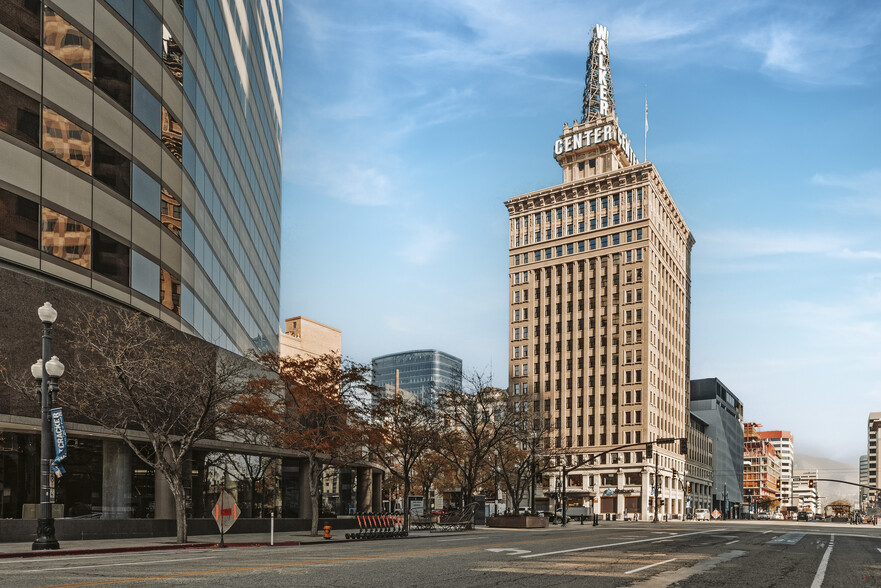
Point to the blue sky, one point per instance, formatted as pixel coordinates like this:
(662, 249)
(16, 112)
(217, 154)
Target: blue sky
(408, 124)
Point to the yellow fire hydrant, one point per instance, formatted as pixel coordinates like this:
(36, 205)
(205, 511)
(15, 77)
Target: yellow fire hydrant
(327, 530)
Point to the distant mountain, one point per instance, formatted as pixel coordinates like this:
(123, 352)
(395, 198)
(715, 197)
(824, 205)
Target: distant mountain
(829, 468)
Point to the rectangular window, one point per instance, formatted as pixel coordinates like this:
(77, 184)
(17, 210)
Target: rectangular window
(548, 252)
(112, 77)
(537, 218)
(111, 167)
(569, 210)
(629, 236)
(638, 234)
(629, 215)
(605, 222)
(110, 258)
(146, 107)
(65, 238)
(593, 224)
(19, 219)
(605, 203)
(67, 141)
(538, 255)
(593, 244)
(145, 191)
(516, 260)
(145, 276)
(22, 17)
(559, 251)
(148, 25)
(538, 236)
(559, 231)
(570, 248)
(639, 255)
(581, 227)
(593, 205)
(560, 213)
(604, 241)
(581, 246)
(172, 55)
(20, 115)
(548, 216)
(581, 208)
(172, 135)
(616, 219)
(67, 43)
(570, 229)
(170, 210)
(615, 238)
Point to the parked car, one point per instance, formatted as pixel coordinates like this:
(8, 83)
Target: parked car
(778, 516)
(702, 514)
(764, 516)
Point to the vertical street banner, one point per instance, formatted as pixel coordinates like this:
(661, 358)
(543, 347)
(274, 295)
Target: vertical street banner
(60, 436)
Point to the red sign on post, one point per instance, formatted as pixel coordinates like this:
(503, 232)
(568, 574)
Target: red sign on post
(225, 511)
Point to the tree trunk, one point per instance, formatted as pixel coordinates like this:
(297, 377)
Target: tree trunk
(314, 487)
(407, 502)
(180, 503)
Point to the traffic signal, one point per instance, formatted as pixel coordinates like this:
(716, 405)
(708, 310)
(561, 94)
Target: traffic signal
(688, 487)
(648, 451)
(683, 446)
(810, 483)
(778, 485)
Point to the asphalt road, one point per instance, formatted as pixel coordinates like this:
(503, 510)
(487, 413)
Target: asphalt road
(753, 554)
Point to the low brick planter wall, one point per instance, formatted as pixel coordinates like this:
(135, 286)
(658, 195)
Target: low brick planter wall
(520, 522)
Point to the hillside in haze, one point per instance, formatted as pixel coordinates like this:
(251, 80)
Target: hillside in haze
(829, 468)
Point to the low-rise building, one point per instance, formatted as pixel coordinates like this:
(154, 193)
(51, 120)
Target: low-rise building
(699, 464)
(805, 495)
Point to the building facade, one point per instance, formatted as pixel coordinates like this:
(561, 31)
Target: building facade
(140, 167)
(783, 443)
(699, 461)
(864, 480)
(599, 299)
(873, 437)
(761, 470)
(717, 406)
(423, 373)
(303, 337)
(805, 491)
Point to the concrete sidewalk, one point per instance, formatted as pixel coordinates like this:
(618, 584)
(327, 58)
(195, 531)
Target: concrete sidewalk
(77, 547)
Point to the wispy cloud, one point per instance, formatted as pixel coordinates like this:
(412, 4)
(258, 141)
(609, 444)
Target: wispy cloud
(425, 242)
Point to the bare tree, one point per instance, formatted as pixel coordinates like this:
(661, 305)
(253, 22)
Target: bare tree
(140, 379)
(519, 457)
(402, 432)
(426, 472)
(477, 420)
(311, 405)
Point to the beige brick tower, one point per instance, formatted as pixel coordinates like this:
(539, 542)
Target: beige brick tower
(599, 313)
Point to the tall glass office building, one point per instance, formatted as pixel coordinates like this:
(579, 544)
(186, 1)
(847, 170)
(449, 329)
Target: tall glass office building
(140, 166)
(424, 372)
(140, 156)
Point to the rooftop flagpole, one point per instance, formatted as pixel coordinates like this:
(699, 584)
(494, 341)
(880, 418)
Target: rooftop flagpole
(646, 137)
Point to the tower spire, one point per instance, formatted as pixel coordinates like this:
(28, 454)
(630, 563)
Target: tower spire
(599, 97)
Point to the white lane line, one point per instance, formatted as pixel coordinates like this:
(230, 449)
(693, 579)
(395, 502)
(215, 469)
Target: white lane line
(460, 539)
(730, 542)
(650, 566)
(650, 539)
(821, 571)
(37, 559)
(128, 563)
(766, 532)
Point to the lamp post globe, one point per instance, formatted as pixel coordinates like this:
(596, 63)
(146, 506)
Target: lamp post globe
(54, 367)
(47, 314)
(37, 370)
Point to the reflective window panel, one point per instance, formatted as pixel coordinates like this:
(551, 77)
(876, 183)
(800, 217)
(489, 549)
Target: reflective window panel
(66, 140)
(65, 238)
(20, 115)
(148, 25)
(23, 17)
(67, 43)
(146, 107)
(19, 219)
(145, 276)
(172, 55)
(112, 77)
(111, 167)
(123, 7)
(145, 191)
(171, 212)
(110, 258)
(172, 135)
(169, 291)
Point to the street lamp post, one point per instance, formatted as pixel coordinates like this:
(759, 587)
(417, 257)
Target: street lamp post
(46, 371)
